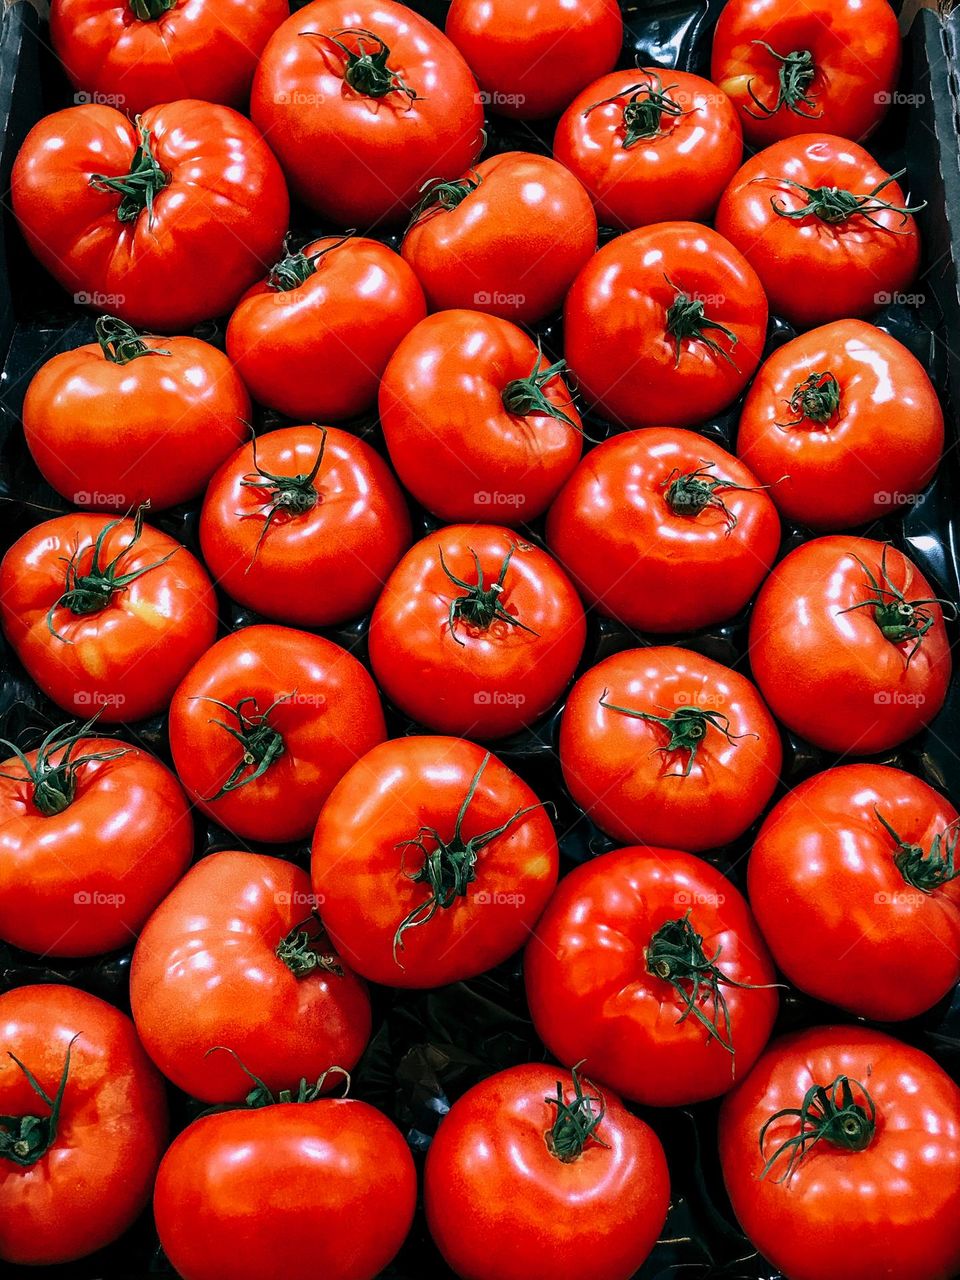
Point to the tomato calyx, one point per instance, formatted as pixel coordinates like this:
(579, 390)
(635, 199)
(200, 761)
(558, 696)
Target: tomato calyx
(687, 727)
(150, 10)
(139, 187)
(687, 318)
(481, 606)
(121, 343)
(295, 269)
(298, 950)
(262, 745)
(26, 1139)
(816, 399)
(524, 397)
(796, 74)
(828, 1113)
(922, 869)
(644, 109)
(687, 493)
(262, 1096)
(291, 495)
(834, 205)
(438, 195)
(576, 1122)
(900, 620)
(54, 785)
(366, 70)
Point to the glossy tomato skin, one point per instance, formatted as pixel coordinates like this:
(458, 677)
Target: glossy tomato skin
(317, 351)
(878, 450)
(888, 1210)
(832, 676)
(517, 240)
(377, 152)
(325, 709)
(362, 873)
(677, 174)
(617, 313)
(96, 1176)
(491, 1153)
(628, 549)
(217, 223)
(206, 972)
(481, 681)
(312, 568)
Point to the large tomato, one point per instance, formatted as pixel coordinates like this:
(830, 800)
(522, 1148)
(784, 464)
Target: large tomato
(164, 220)
(431, 862)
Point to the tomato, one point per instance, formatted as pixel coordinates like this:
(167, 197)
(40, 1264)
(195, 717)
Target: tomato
(665, 325)
(476, 633)
(234, 957)
(105, 615)
(163, 221)
(651, 146)
(664, 530)
(304, 525)
(265, 724)
(379, 93)
(518, 229)
(873, 1189)
(814, 64)
(576, 1184)
(829, 232)
(848, 646)
(313, 339)
(531, 59)
(648, 966)
(81, 1141)
(843, 424)
(431, 862)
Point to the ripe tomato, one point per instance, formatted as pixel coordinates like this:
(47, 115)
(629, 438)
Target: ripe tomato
(234, 957)
(843, 424)
(379, 93)
(431, 862)
(265, 724)
(664, 530)
(476, 633)
(651, 146)
(105, 615)
(840, 1153)
(829, 232)
(313, 339)
(648, 965)
(529, 1163)
(665, 325)
(132, 419)
(304, 525)
(848, 646)
(79, 1142)
(163, 221)
(518, 229)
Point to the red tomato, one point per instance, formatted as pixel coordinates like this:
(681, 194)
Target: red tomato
(651, 146)
(848, 645)
(265, 724)
(314, 338)
(81, 1141)
(843, 424)
(234, 957)
(164, 221)
(577, 1185)
(829, 232)
(665, 325)
(664, 530)
(431, 862)
(649, 968)
(105, 615)
(475, 632)
(518, 229)
(841, 1154)
(379, 93)
(304, 525)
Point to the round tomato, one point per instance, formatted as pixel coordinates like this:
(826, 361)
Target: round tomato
(664, 530)
(848, 646)
(265, 724)
(529, 1152)
(83, 1123)
(431, 862)
(304, 525)
(476, 633)
(648, 966)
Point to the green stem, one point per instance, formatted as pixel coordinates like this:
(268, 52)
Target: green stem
(26, 1139)
(900, 620)
(922, 869)
(54, 785)
(525, 396)
(261, 1096)
(120, 343)
(687, 727)
(366, 71)
(290, 495)
(150, 10)
(298, 951)
(834, 205)
(687, 318)
(139, 187)
(644, 109)
(796, 74)
(261, 744)
(816, 399)
(439, 195)
(576, 1122)
(688, 493)
(294, 269)
(481, 606)
(828, 1113)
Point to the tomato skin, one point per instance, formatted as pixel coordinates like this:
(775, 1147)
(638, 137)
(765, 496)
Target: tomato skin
(889, 1210)
(490, 1153)
(615, 532)
(831, 676)
(97, 1175)
(362, 877)
(518, 240)
(878, 451)
(314, 568)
